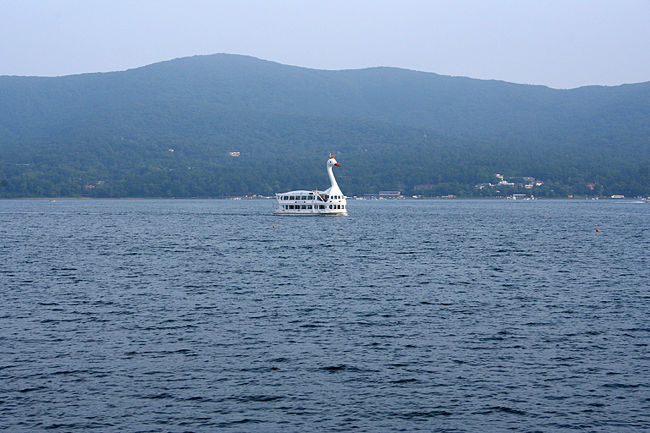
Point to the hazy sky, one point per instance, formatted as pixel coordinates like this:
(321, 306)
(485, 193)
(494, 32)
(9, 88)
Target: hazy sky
(562, 44)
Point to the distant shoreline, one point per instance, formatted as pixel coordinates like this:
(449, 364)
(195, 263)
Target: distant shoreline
(236, 198)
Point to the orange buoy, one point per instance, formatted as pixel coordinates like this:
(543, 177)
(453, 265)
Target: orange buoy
(597, 230)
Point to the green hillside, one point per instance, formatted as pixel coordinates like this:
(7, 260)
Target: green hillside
(110, 134)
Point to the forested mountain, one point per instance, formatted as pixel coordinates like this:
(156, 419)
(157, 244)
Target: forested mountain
(111, 134)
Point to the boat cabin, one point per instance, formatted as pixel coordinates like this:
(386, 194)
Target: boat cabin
(310, 202)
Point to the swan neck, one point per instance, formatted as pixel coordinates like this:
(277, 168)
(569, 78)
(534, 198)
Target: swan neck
(330, 173)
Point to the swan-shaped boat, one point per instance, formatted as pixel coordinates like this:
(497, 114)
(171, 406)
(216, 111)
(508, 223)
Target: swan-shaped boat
(303, 202)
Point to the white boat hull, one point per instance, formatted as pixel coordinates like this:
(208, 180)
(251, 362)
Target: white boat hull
(309, 213)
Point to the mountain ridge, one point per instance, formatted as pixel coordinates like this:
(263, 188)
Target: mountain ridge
(254, 58)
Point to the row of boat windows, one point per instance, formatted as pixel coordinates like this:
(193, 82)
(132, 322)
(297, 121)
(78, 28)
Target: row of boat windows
(308, 206)
(297, 197)
(304, 197)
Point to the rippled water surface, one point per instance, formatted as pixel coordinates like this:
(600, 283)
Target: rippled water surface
(188, 315)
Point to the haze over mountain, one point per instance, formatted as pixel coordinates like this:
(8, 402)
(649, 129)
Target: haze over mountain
(111, 134)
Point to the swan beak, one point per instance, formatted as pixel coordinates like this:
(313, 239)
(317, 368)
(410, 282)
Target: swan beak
(337, 164)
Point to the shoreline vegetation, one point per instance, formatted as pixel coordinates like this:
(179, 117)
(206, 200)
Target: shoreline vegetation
(403, 198)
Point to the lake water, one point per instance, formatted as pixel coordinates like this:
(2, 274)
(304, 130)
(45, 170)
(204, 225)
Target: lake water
(199, 315)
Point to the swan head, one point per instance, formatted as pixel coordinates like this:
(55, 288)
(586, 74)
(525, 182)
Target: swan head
(331, 162)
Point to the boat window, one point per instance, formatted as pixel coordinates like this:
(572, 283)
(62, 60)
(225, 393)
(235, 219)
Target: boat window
(343, 207)
(303, 207)
(308, 206)
(304, 197)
